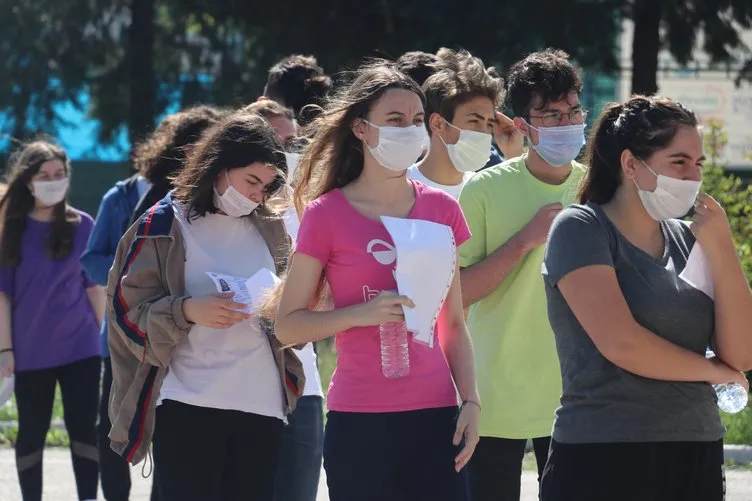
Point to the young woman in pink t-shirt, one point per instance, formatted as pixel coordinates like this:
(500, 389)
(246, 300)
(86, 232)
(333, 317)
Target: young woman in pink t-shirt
(386, 438)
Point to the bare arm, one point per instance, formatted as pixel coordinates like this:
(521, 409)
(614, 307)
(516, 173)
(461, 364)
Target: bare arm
(457, 345)
(733, 298)
(593, 294)
(98, 299)
(295, 322)
(482, 278)
(733, 314)
(458, 349)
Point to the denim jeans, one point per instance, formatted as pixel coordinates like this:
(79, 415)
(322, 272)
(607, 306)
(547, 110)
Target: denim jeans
(299, 464)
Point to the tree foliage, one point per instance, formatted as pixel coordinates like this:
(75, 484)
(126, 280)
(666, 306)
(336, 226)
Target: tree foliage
(676, 25)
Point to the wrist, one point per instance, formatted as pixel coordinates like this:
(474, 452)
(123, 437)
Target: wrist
(186, 307)
(471, 402)
(351, 316)
(520, 244)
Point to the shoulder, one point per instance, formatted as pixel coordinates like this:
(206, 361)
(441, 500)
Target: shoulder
(579, 218)
(496, 175)
(83, 217)
(157, 221)
(324, 205)
(433, 195)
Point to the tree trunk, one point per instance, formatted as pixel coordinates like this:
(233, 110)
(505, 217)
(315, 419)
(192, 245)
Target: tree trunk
(646, 43)
(142, 81)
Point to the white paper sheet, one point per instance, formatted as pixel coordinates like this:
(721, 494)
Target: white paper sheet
(249, 291)
(426, 259)
(6, 389)
(697, 271)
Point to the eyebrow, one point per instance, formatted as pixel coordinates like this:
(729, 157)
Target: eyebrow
(480, 117)
(255, 178)
(687, 156)
(551, 110)
(400, 114)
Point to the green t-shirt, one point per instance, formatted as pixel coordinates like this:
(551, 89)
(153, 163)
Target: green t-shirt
(515, 354)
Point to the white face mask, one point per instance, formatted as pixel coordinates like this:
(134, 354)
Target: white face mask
(471, 151)
(399, 147)
(672, 198)
(232, 202)
(292, 164)
(558, 146)
(49, 193)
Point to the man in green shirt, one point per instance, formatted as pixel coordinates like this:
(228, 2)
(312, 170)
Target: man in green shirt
(509, 209)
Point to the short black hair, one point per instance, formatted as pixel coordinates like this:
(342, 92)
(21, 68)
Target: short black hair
(418, 65)
(296, 82)
(547, 74)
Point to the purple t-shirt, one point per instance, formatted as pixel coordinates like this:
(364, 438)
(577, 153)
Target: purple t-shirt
(52, 321)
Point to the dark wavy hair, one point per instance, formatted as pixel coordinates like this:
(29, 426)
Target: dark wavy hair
(17, 203)
(299, 83)
(237, 141)
(547, 74)
(162, 155)
(458, 78)
(417, 64)
(642, 125)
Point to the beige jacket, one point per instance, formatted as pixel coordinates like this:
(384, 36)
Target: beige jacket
(145, 292)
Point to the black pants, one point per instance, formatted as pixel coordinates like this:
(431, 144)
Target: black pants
(660, 471)
(35, 396)
(496, 467)
(394, 456)
(213, 454)
(114, 469)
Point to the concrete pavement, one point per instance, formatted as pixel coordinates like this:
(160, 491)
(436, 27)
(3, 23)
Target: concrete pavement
(60, 486)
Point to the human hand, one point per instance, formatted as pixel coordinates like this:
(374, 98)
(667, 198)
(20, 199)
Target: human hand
(217, 311)
(467, 428)
(509, 140)
(384, 308)
(711, 228)
(535, 232)
(725, 374)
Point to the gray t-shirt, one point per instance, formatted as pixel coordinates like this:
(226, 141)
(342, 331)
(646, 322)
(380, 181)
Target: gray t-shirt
(600, 401)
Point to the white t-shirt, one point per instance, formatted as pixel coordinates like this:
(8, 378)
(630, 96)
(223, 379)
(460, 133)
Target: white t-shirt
(231, 368)
(306, 355)
(453, 190)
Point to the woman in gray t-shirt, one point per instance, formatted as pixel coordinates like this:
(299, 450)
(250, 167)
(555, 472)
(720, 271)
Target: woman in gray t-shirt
(638, 418)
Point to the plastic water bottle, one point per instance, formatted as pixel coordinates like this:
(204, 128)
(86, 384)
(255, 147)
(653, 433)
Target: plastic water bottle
(395, 355)
(732, 397)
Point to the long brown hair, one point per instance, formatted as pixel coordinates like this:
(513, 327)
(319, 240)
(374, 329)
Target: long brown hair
(17, 203)
(642, 125)
(238, 140)
(334, 156)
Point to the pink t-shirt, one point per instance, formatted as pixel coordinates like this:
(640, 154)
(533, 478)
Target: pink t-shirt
(359, 261)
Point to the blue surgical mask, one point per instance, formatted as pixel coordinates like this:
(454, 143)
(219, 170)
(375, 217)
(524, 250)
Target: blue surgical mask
(558, 146)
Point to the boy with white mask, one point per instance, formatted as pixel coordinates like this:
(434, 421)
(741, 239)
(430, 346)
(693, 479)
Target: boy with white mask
(461, 101)
(509, 208)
